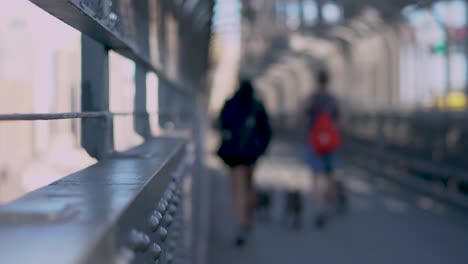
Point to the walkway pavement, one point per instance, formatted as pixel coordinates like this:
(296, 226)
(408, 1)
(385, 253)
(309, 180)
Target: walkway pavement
(386, 222)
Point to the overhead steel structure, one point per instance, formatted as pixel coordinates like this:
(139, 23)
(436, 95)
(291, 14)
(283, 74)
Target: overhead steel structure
(363, 51)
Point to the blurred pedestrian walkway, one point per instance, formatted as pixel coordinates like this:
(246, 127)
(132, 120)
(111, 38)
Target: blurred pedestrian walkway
(386, 223)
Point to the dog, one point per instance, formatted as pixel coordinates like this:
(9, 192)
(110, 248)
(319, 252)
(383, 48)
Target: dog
(342, 198)
(263, 205)
(294, 208)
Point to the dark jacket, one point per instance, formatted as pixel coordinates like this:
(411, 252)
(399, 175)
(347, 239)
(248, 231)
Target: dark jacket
(245, 130)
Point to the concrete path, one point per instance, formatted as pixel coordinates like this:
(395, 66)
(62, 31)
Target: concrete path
(385, 224)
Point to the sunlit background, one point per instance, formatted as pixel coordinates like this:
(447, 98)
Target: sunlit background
(226, 49)
(40, 72)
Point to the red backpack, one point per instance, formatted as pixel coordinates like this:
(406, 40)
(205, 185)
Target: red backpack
(324, 137)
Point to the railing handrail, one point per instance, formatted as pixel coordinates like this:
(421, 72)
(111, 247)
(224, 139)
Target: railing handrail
(82, 115)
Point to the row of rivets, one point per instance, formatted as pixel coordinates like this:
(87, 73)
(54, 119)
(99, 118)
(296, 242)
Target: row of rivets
(170, 218)
(175, 238)
(161, 218)
(166, 210)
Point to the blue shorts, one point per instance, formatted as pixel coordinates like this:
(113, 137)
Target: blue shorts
(318, 163)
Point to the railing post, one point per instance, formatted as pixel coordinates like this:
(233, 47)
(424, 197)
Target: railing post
(141, 118)
(141, 121)
(201, 183)
(165, 105)
(97, 133)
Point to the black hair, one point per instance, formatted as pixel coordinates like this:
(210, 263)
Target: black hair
(323, 77)
(246, 89)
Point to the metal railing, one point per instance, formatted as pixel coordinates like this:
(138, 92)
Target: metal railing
(430, 148)
(117, 211)
(83, 115)
(129, 207)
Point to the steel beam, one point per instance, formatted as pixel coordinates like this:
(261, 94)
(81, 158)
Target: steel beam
(115, 26)
(117, 211)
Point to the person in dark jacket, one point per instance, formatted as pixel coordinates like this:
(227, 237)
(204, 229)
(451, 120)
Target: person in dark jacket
(246, 133)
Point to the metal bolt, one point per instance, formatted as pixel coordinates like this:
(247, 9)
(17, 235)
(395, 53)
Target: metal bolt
(169, 258)
(154, 222)
(162, 233)
(172, 186)
(145, 241)
(112, 19)
(139, 240)
(83, 4)
(157, 214)
(175, 233)
(179, 192)
(167, 220)
(175, 176)
(168, 195)
(125, 256)
(176, 200)
(162, 207)
(172, 245)
(172, 209)
(156, 251)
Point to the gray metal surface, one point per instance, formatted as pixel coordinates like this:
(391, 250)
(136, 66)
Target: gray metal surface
(120, 25)
(103, 214)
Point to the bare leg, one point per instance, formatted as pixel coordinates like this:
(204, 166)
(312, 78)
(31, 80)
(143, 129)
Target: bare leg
(317, 191)
(320, 197)
(239, 194)
(331, 190)
(240, 197)
(251, 194)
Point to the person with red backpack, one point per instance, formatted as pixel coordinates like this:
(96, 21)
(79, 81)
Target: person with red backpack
(323, 143)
